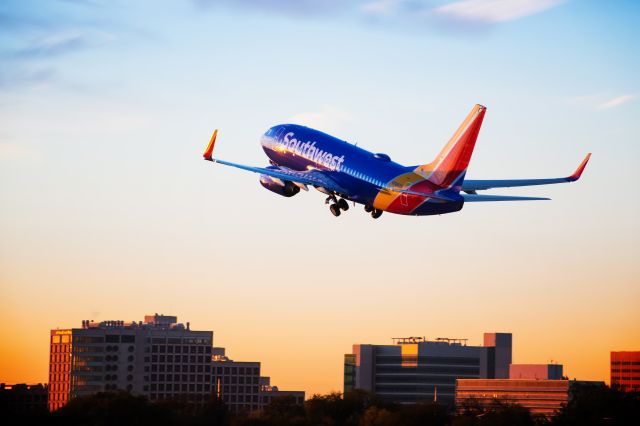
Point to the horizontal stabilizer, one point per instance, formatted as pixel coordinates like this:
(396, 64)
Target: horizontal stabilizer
(479, 185)
(474, 197)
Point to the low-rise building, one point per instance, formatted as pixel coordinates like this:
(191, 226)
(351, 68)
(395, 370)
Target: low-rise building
(23, 399)
(240, 385)
(539, 396)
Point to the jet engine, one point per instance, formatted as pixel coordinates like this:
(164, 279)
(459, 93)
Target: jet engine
(285, 188)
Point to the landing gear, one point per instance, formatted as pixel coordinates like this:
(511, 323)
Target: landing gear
(368, 208)
(336, 206)
(375, 213)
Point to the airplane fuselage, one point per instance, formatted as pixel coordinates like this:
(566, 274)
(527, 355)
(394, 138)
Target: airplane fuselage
(363, 174)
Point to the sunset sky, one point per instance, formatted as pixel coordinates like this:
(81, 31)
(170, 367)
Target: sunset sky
(107, 210)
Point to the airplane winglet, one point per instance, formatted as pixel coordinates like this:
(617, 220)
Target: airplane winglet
(576, 175)
(209, 151)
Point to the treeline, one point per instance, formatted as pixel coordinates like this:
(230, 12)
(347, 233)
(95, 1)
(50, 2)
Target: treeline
(592, 406)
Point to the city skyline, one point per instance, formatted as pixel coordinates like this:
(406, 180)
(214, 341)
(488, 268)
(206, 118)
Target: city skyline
(108, 209)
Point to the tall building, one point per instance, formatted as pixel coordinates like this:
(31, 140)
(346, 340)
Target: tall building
(625, 370)
(158, 358)
(240, 385)
(415, 369)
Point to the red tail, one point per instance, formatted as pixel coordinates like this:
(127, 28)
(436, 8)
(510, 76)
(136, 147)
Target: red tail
(449, 167)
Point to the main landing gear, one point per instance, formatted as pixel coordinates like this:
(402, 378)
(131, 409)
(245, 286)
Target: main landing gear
(375, 213)
(336, 205)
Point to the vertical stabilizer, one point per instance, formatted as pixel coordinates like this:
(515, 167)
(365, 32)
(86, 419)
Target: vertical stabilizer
(449, 167)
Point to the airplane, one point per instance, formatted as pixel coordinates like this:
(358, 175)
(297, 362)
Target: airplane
(301, 157)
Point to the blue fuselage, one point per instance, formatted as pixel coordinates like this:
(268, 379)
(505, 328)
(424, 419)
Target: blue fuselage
(360, 172)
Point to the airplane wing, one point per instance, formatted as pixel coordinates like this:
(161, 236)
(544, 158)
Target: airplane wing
(311, 177)
(470, 186)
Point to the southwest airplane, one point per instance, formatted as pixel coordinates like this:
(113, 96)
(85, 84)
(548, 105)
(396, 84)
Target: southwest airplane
(301, 157)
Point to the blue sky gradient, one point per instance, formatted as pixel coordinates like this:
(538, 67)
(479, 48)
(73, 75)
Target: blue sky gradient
(109, 212)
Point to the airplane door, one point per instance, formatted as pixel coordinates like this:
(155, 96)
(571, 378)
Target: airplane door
(404, 199)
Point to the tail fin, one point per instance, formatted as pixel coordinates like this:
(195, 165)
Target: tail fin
(449, 167)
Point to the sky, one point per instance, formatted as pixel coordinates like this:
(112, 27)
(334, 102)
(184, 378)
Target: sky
(107, 210)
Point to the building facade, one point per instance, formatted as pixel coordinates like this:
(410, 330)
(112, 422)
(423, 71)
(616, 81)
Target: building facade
(240, 385)
(625, 370)
(158, 358)
(415, 369)
(539, 396)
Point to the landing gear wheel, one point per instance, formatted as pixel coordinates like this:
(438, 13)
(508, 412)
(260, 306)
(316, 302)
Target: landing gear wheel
(376, 213)
(368, 208)
(342, 203)
(335, 210)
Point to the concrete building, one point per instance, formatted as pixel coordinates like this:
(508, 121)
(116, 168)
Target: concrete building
(540, 396)
(237, 383)
(158, 358)
(22, 399)
(415, 369)
(240, 385)
(625, 370)
(536, 371)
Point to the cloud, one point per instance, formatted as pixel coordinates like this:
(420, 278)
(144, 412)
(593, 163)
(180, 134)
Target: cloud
(329, 117)
(601, 102)
(53, 45)
(289, 7)
(489, 12)
(466, 14)
(26, 77)
(617, 101)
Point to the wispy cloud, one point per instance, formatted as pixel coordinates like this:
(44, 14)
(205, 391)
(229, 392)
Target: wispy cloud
(329, 117)
(21, 77)
(53, 45)
(617, 101)
(489, 12)
(601, 102)
(421, 13)
(289, 7)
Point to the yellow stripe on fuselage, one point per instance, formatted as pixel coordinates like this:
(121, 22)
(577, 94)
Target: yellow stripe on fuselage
(405, 181)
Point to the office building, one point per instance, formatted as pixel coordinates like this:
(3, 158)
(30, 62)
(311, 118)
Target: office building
(536, 371)
(415, 369)
(158, 358)
(240, 386)
(237, 383)
(539, 396)
(625, 370)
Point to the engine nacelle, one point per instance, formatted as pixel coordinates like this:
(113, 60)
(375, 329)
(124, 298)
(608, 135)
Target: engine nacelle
(285, 188)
